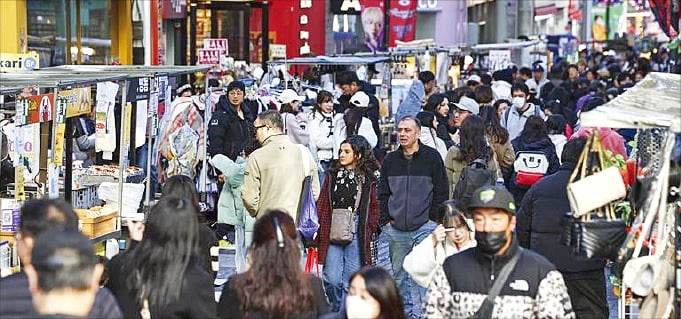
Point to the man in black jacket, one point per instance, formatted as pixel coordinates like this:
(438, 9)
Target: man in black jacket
(413, 184)
(540, 225)
(38, 217)
(533, 289)
(231, 124)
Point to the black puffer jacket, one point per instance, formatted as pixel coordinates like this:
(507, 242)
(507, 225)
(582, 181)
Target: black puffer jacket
(540, 222)
(227, 132)
(444, 129)
(534, 288)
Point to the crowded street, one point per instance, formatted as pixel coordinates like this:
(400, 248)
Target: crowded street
(340, 159)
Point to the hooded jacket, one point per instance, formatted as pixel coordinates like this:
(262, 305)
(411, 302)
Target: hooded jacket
(501, 90)
(412, 103)
(230, 206)
(227, 132)
(340, 133)
(411, 190)
(540, 223)
(372, 112)
(534, 289)
(514, 122)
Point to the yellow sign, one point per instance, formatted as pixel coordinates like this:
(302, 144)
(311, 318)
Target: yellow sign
(12, 62)
(78, 101)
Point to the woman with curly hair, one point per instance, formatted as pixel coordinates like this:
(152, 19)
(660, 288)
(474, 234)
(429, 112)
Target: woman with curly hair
(474, 146)
(349, 189)
(275, 286)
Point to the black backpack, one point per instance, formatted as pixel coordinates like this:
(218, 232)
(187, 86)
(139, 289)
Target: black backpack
(473, 176)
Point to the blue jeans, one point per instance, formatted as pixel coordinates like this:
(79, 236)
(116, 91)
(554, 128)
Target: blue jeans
(401, 244)
(323, 167)
(341, 262)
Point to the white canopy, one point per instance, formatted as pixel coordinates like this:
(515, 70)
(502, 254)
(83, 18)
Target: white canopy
(653, 102)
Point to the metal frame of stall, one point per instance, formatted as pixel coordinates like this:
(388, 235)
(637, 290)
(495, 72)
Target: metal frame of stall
(11, 83)
(152, 73)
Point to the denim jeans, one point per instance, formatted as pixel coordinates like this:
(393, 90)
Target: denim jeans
(323, 167)
(141, 162)
(242, 240)
(340, 263)
(401, 244)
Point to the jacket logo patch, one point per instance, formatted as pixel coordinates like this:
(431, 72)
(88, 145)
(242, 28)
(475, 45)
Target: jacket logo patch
(520, 285)
(214, 122)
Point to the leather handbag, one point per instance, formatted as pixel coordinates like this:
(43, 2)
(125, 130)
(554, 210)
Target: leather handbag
(597, 233)
(343, 222)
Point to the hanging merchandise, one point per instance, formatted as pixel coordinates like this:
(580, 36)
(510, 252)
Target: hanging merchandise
(105, 122)
(183, 152)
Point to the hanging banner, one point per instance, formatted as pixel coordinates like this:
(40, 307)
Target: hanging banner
(60, 130)
(78, 101)
(499, 59)
(373, 23)
(37, 109)
(402, 21)
(138, 89)
(217, 44)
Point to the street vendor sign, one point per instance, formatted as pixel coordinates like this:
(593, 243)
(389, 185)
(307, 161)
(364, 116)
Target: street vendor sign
(12, 62)
(78, 101)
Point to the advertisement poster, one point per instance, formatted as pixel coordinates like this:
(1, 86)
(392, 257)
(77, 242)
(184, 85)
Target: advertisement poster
(499, 59)
(78, 101)
(59, 130)
(402, 20)
(39, 108)
(373, 25)
(598, 20)
(23, 145)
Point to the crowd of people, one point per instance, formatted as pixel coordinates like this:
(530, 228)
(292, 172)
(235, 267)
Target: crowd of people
(459, 206)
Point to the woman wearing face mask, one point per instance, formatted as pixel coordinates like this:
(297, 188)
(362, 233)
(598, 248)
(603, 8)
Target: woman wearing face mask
(453, 236)
(373, 295)
(349, 187)
(320, 129)
(439, 105)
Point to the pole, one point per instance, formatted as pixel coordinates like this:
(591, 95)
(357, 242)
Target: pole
(203, 179)
(151, 120)
(79, 44)
(192, 34)
(121, 153)
(154, 32)
(68, 166)
(67, 51)
(265, 35)
(607, 20)
(386, 27)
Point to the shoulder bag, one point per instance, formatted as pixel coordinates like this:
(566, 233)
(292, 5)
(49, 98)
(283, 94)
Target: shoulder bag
(485, 310)
(308, 220)
(343, 221)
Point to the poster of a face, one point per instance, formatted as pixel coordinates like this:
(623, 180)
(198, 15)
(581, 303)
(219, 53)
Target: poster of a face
(373, 25)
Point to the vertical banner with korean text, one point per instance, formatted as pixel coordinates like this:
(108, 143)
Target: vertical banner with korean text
(402, 20)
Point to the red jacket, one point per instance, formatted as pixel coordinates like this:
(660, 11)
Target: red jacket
(368, 225)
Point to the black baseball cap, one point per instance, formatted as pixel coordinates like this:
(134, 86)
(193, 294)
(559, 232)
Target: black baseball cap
(492, 197)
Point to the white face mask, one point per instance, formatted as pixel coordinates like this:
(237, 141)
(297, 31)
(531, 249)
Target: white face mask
(357, 308)
(518, 102)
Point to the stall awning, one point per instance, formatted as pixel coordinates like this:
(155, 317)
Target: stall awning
(653, 102)
(504, 46)
(334, 60)
(545, 10)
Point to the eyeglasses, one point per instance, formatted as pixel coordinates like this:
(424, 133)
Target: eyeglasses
(236, 93)
(259, 127)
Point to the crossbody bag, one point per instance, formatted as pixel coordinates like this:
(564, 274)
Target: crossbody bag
(485, 310)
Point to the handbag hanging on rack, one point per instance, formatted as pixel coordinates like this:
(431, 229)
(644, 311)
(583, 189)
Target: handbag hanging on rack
(596, 233)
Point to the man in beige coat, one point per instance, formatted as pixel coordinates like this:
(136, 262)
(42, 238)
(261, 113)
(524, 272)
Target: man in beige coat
(275, 172)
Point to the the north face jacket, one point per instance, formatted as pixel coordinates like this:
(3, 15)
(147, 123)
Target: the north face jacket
(534, 289)
(411, 190)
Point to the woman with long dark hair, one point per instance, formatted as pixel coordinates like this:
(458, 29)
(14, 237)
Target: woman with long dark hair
(473, 147)
(354, 174)
(320, 128)
(439, 105)
(275, 286)
(535, 139)
(373, 295)
(497, 136)
(181, 186)
(429, 135)
(161, 274)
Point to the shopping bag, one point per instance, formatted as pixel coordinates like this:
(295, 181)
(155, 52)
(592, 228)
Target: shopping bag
(308, 220)
(311, 262)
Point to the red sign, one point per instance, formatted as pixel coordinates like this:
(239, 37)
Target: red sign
(402, 20)
(220, 44)
(210, 56)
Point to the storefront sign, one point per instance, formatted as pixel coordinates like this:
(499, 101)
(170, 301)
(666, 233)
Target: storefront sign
(138, 89)
(304, 35)
(12, 62)
(346, 7)
(174, 9)
(402, 20)
(209, 56)
(78, 101)
(219, 44)
(499, 59)
(278, 51)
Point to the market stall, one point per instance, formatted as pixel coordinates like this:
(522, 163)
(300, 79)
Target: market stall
(649, 261)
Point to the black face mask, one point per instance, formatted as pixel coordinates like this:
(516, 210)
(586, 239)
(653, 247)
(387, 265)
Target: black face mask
(491, 242)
